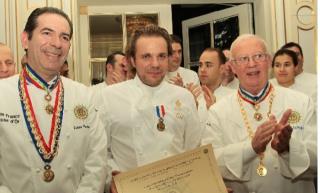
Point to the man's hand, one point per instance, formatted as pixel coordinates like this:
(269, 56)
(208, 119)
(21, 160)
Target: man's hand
(116, 78)
(263, 135)
(195, 90)
(282, 134)
(113, 188)
(208, 96)
(177, 80)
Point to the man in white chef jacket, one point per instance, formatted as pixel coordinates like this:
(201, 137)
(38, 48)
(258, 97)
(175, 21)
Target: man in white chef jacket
(177, 74)
(51, 138)
(264, 137)
(147, 118)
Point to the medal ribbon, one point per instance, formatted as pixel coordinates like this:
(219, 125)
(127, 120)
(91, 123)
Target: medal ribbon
(41, 146)
(257, 99)
(160, 111)
(36, 80)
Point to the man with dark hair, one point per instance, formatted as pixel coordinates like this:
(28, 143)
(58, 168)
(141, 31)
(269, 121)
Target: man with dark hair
(64, 70)
(211, 63)
(51, 137)
(115, 70)
(7, 64)
(147, 118)
(176, 74)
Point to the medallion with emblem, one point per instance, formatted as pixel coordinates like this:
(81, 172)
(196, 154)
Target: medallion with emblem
(81, 112)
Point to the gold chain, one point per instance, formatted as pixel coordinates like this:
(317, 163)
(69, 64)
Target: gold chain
(261, 170)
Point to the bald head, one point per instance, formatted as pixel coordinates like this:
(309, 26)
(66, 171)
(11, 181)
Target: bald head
(7, 64)
(250, 61)
(244, 38)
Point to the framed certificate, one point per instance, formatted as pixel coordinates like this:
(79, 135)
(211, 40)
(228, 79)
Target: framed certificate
(189, 172)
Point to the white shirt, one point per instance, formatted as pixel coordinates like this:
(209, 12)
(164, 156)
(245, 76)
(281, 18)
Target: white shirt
(187, 75)
(234, 84)
(304, 87)
(307, 79)
(291, 172)
(129, 114)
(80, 165)
(220, 93)
(100, 86)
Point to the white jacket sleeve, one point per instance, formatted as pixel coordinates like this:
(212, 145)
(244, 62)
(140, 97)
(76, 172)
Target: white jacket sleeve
(4, 189)
(235, 159)
(301, 161)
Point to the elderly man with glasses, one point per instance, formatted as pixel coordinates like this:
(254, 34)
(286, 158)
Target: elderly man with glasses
(264, 137)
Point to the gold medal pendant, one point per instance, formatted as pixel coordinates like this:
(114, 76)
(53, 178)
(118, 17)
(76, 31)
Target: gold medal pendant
(48, 174)
(257, 116)
(49, 109)
(261, 170)
(160, 125)
(48, 97)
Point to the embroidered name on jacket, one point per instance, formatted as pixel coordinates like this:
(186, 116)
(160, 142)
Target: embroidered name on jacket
(81, 127)
(7, 118)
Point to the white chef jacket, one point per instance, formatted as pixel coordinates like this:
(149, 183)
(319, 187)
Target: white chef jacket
(220, 93)
(81, 163)
(308, 79)
(291, 172)
(129, 114)
(187, 75)
(234, 84)
(310, 90)
(97, 89)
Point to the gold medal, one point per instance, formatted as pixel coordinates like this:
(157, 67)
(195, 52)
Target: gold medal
(160, 125)
(81, 112)
(261, 170)
(49, 109)
(294, 117)
(48, 174)
(47, 97)
(257, 116)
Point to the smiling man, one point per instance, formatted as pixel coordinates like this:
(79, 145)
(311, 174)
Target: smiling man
(147, 118)
(51, 138)
(264, 137)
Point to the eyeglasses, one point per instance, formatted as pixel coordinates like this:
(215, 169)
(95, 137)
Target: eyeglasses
(244, 60)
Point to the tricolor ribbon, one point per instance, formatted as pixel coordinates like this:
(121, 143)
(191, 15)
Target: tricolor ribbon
(160, 111)
(255, 99)
(36, 80)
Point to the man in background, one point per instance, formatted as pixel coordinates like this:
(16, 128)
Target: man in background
(7, 64)
(228, 77)
(176, 74)
(115, 69)
(64, 71)
(211, 64)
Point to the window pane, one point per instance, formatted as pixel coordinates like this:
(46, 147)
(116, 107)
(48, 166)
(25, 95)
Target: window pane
(199, 39)
(105, 35)
(225, 30)
(97, 72)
